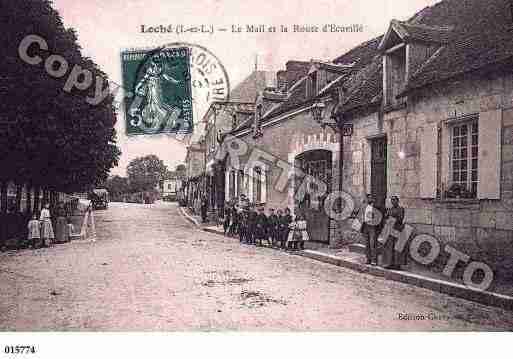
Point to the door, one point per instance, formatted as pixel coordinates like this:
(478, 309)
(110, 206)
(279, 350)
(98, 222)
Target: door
(379, 172)
(317, 164)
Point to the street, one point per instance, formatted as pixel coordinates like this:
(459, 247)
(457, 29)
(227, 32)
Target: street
(150, 270)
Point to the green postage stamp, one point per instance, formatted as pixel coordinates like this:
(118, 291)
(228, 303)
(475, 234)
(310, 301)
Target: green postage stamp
(158, 96)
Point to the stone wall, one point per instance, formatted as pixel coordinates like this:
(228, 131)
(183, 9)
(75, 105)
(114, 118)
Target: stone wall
(482, 229)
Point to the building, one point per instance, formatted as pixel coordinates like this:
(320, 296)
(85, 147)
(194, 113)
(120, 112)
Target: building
(194, 182)
(220, 119)
(430, 103)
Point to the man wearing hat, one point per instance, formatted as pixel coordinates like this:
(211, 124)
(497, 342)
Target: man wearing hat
(261, 227)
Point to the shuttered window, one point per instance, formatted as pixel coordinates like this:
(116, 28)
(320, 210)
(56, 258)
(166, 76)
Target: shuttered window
(464, 157)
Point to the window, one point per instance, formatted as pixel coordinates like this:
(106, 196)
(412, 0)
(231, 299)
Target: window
(394, 75)
(464, 159)
(169, 186)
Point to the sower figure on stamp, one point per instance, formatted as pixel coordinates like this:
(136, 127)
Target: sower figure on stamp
(392, 258)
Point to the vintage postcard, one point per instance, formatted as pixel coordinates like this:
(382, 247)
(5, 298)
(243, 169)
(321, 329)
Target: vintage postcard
(271, 166)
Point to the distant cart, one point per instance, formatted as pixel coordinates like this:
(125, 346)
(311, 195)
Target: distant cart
(99, 198)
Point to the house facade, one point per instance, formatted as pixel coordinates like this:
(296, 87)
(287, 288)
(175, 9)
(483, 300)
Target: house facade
(430, 107)
(432, 117)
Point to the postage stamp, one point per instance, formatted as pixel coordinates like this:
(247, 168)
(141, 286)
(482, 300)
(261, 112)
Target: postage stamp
(158, 94)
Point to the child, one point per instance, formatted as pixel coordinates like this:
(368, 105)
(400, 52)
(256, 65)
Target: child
(251, 226)
(34, 233)
(298, 234)
(287, 220)
(227, 219)
(236, 213)
(243, 226)
(279, 227)
(272, 228)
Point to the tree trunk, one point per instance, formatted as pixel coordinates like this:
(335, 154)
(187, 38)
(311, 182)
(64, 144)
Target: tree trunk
(3, 197)
(29, 199)
(46, 196)
(37, 194)
(19, 193)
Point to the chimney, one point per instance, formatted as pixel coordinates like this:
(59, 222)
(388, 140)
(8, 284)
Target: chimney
(281, 81)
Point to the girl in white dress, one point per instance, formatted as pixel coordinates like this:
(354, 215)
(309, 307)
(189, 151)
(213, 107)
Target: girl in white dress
(46, 226)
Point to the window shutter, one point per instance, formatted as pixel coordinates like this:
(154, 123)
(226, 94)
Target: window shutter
(428, 158)
(227, 183)
(489, 160)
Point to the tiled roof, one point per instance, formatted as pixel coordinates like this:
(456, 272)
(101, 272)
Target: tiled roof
(247, 90)
(471, 33)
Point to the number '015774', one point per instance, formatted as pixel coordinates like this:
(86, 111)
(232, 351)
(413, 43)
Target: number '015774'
(19, 349)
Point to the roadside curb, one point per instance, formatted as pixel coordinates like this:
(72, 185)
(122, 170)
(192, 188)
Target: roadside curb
(436, 285)
(188, 217)
(211, 230)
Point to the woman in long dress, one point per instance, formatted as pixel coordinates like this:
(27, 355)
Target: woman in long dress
(47, 234)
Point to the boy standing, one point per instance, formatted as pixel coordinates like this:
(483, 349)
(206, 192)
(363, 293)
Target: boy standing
(273, 227)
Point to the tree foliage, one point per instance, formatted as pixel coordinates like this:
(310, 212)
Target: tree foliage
(49, 137)
(145, 173)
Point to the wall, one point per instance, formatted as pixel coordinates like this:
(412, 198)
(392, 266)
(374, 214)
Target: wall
(482, 228)
(285, 140)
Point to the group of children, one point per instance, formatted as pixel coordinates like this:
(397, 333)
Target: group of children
(254, 226)
(40, 229)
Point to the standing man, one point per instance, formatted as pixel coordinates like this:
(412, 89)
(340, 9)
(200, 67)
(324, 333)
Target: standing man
(261, 227)
(204, 207)
(252, 217)
(371, 221)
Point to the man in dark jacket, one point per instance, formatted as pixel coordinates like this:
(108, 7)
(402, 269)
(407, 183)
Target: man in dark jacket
(272, 227)
(252, 217)
(261, 227)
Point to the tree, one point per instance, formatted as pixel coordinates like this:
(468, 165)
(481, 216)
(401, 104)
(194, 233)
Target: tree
(145, 173)
(117, 186)
(50, 138)
(180, 170)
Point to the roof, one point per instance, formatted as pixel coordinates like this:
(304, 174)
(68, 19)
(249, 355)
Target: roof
(247, 90)
(470, 34)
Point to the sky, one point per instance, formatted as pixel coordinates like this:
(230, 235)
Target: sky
(105, 28)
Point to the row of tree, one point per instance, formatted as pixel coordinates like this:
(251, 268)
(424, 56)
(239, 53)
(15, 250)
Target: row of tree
(50, 138)
(144, 174)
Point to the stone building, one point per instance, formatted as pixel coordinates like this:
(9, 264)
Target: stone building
(433, 124)
(430, 102)
(221, 118)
